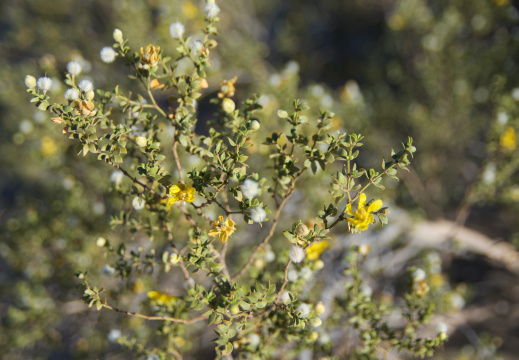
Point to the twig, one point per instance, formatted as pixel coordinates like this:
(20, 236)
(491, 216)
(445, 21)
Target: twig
(151, 317)
(177, 161)
(272, 227)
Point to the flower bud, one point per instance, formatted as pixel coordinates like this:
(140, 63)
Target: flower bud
(314, 335)
(30, 82)
(259, 263)
(100, 241)
(118, 35)
(174, 258)
(282, 114)
(203, 83)
(363, 249)
(318, 264)
(228, 105)
(302, 230)
(255, 125)
(141, 141)
(234, 309)
(316, 322)
(319, 308)
(89, 95)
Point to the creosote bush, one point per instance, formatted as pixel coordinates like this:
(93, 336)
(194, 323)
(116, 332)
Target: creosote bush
(205, 227)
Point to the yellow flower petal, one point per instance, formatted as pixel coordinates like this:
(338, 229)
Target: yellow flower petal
(223, 236)
(362, 200)
(175, 189)
(153, 295)
(374, 206)
(348, 210)
(313, 251)
(229, 223)
(171, 201)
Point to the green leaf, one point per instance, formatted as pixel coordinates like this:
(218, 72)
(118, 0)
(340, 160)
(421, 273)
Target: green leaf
(228, 349)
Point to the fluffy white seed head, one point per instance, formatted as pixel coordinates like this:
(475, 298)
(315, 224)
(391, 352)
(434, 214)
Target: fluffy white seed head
(71, 94)
(107, 270)
(138, 203)
(249, 188)
(117, 177)
(30, 81)
(297, 254)
(44, 83)
(306, 273)
(197, 47)
(257, 214)
(270, 256)
(419, 275)
(211, 10)
(114, 335)
(118, 35)
(442, 328)
(292, 275)
(366, 290)
(108, 54)
(176, 30)
(284, 297)
(253, 340)
(86, 85)
(304, 309)
(74, 68)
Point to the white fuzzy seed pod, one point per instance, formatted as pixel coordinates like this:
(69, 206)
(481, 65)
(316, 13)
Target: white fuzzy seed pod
(297, 254)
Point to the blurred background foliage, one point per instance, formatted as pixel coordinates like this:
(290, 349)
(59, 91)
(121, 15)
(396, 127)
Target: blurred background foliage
(444, 72)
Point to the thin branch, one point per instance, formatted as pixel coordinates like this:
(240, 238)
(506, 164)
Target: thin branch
(118, 167)
(152, 98)
(151, 317)
(285, 281)
(272, 227)
(177, 161)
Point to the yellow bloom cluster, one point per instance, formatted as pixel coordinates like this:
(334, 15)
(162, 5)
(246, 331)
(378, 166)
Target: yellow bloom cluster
(224, 228)
(180, 192)
(150, 56)
(161, 298)
(313, 251)
(363, 216)
(227, 88)
(508, 139)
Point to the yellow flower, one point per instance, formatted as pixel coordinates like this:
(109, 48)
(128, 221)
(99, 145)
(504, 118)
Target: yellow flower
(227, 88)
(150, 56)
(508, 140)
(421, 288)
(161, 298)
(180, 192)
(313, 251)
(363, 217)
(224, 228)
